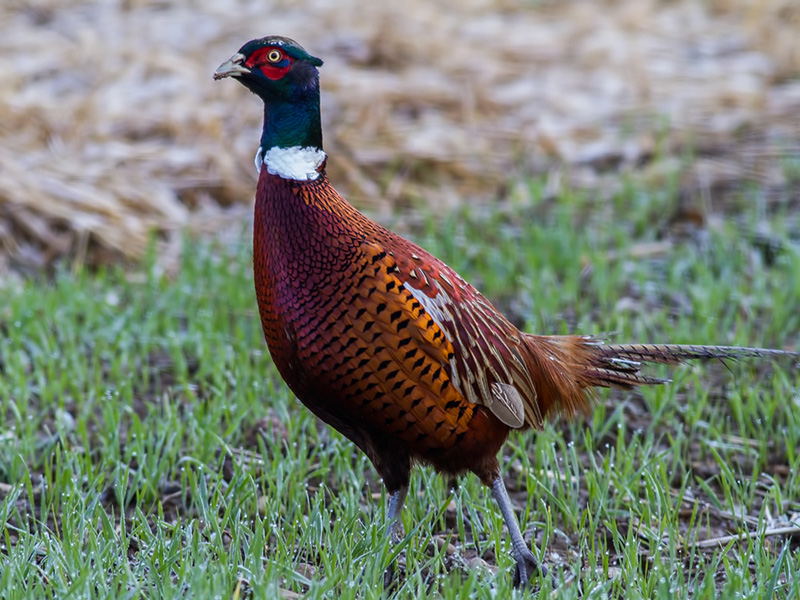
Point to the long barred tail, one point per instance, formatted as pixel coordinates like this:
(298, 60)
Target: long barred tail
(618, 364)
(564, 369)
(677, 353)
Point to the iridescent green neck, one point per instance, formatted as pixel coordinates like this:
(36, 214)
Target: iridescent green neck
(293, 122)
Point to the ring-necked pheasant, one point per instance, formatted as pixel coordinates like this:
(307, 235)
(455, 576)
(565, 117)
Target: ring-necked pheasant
(385, 342)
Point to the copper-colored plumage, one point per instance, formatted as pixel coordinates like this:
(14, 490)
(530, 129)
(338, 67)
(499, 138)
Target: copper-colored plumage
(383, 340)
(393, 348)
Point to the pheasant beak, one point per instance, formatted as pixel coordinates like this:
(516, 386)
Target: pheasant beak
(231, 68)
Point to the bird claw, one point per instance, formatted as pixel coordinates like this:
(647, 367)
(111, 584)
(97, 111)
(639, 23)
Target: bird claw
(388, 576)
(393, 578)
(525, 568)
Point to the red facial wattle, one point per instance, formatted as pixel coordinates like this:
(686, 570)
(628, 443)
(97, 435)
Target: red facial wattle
(262, 61)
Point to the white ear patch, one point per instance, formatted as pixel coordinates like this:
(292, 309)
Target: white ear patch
(296, 163)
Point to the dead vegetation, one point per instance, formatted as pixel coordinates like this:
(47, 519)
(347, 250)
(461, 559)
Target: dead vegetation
(111, 127)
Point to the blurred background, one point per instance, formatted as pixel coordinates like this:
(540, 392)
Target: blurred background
(112, 128)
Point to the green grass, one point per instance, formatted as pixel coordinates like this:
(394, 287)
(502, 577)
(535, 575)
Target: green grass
(130, 401)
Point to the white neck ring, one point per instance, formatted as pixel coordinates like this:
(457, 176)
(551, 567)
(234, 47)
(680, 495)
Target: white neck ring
(297, 162)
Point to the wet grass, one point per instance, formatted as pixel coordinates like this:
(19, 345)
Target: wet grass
(150, 449)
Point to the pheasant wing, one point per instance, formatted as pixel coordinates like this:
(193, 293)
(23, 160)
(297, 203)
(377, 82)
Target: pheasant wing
(489, 359)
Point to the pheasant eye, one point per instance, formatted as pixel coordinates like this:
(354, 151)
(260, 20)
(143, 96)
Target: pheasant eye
(274, 56)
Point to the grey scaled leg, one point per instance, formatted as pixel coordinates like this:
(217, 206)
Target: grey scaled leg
(526, 561)
(396, 500)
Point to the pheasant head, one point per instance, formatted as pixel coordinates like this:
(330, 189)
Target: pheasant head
(280, 72)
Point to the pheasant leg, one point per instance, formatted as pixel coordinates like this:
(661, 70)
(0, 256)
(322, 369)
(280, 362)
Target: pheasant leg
(526, 561)
(396, 499)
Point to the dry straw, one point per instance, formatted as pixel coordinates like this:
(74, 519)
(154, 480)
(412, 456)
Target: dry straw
(112, 128)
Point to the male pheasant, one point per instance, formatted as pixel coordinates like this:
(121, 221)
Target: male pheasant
(383, 341)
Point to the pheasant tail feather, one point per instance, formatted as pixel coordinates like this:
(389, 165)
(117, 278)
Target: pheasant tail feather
(568, 367)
